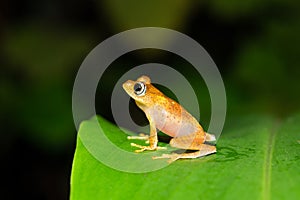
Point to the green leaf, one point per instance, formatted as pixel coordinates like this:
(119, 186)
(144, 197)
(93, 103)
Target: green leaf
(284, 165)
(257, 158)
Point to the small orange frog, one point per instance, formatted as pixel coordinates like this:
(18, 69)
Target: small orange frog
(169, 117)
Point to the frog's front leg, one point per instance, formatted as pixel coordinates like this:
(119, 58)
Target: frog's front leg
(152, 139)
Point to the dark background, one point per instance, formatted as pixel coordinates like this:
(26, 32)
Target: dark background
(254, 43)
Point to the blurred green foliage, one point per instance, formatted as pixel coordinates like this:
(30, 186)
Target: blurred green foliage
(267, 67)
(42, 58)
(129, 14)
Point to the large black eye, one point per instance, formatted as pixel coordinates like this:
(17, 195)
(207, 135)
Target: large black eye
(139, 88)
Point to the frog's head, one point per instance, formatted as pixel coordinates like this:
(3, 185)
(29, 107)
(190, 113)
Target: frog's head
(141, 90)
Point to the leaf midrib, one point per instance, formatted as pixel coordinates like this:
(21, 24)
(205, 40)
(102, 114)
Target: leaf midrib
(266, 192)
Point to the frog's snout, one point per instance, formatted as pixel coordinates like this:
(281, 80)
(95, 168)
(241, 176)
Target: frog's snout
(128, 86)
(124, 85)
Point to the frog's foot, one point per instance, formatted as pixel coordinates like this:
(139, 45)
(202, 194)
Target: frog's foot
(172, 157)
(144, 148)
(141, 136)
(205, 150)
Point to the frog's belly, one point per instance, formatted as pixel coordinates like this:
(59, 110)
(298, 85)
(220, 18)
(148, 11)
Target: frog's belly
(174, 126)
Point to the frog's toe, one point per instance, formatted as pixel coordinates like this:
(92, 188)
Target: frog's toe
(161, 148)
(139, 150)
(137, 145)
(143, 148)
(172, 157)
(141, 136)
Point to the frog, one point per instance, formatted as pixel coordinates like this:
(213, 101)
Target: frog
(168, 116)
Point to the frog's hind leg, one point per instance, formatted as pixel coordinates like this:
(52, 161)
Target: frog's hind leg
(190, 142)
(210, 137)
(204, 150)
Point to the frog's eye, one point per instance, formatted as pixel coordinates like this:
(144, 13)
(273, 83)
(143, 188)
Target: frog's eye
(139, 88)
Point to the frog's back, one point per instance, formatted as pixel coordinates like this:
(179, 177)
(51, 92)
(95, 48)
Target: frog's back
(172, 119)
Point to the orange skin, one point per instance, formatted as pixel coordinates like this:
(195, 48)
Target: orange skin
(169, 117)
